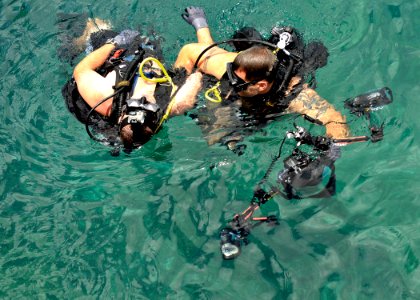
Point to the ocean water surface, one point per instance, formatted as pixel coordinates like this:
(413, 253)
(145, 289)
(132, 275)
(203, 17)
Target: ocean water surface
(78, 223)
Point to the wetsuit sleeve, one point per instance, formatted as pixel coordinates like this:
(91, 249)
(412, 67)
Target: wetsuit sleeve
(308, 102)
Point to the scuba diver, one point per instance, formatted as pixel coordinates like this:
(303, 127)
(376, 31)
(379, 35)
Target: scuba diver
(267, 79)
(122, 90)
(264, 81)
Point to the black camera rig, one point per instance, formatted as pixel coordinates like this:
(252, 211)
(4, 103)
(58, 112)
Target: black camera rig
(236, 234)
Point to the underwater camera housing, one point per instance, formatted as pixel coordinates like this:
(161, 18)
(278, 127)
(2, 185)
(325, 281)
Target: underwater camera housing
(307, 177)
(365, 103)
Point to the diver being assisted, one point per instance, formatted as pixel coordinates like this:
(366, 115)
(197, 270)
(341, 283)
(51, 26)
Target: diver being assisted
(264, 80)
(122, 90)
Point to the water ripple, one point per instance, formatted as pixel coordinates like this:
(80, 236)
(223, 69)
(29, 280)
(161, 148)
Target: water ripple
(76, 222)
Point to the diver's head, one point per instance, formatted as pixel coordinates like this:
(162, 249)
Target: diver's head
(133, 136)
(253, 71)
(139, 121)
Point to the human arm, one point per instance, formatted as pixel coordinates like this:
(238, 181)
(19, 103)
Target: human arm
(196, 17)
(213, 62)
(91, 85)
(309, 103)
(186, 97)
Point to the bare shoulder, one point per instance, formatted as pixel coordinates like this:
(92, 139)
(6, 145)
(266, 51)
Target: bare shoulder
(94, 88)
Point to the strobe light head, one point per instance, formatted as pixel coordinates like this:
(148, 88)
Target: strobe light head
(230, 243)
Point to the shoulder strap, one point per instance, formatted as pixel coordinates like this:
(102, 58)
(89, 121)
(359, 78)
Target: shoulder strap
(125, 72)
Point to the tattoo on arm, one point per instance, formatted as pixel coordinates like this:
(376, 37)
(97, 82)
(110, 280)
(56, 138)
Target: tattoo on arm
(312, 103)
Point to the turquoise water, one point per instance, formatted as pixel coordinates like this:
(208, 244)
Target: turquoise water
(78, 223)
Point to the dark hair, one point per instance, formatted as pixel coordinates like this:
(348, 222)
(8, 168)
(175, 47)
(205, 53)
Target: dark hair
(126, 135)
(258, 63)
(135, 136)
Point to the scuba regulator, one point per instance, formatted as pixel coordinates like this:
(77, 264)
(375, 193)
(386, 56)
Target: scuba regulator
(140, 112)
(144, 118)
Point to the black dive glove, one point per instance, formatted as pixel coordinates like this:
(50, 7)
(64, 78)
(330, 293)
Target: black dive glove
(195, 16)
(125, 37)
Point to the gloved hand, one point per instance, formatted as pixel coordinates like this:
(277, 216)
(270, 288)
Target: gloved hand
(195, 16)
(125, 37)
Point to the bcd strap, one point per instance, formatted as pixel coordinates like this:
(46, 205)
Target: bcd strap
(114, 59)
(122, 83)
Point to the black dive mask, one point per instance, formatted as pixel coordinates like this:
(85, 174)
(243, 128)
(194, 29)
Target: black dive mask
(235, 81)
(144, 118)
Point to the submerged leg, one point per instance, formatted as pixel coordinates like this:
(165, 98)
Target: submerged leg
(74, 33)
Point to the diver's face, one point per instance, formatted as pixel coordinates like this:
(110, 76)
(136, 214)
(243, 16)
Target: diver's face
(249, 88)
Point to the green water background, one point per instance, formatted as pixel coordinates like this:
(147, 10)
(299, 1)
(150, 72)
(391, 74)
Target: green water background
(76, 223)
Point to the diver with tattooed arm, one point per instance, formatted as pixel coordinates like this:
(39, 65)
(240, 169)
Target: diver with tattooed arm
(258, 82)
(268, 79)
